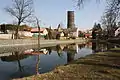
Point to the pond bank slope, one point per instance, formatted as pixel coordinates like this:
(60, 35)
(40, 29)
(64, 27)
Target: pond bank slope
(100, 66)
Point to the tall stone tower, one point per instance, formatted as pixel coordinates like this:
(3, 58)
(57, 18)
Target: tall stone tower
(70, 19)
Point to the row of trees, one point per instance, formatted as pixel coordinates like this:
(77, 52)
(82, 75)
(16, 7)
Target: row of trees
(99, 32)
(110, 17)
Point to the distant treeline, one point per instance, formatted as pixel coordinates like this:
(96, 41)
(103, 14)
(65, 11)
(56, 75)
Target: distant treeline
(14, 27)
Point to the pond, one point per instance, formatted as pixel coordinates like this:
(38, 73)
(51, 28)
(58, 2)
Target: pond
(29, 62)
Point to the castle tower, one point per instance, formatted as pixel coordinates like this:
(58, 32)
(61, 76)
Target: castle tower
(70, 19)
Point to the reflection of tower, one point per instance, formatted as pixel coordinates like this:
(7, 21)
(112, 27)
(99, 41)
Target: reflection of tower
(77, 48)
(70, 56)
(70, 21)
(71, 51)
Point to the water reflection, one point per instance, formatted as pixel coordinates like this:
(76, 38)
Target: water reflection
(15, 58)
(34, 61)
(102, 47)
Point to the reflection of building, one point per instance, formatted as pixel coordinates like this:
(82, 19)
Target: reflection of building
(59, 49)
(71, 51)
(13, 57)
(94, 47)
(36, 52)
(77, 48)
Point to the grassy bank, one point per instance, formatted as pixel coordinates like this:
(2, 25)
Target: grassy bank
(100, 66)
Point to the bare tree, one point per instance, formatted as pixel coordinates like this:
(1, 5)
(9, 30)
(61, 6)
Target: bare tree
(37, 21)
(82, 2)
(21, 10)
(111, 16)
(112, 12)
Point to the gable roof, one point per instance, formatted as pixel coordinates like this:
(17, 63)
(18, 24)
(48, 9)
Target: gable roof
(37, 30)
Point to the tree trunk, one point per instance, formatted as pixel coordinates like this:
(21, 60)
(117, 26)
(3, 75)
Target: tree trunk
(17, 30)
(39, 37)
(16, 33)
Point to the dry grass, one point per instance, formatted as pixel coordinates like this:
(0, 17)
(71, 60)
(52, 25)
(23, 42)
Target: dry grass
(101, 66)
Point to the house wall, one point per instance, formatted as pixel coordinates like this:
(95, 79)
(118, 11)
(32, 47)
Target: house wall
(21, 33)
(5, 36)
(25, 34)
(62, 34)
(45, 32)
(42, 32)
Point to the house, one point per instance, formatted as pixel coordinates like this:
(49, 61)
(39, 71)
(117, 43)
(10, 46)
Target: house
(60, 35)
(117, 32)
(7, 31)
(43, 31)
(88, 33)
(71, 32)
(25, 34)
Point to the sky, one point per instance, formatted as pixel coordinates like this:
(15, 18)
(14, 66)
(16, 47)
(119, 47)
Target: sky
(54, 12)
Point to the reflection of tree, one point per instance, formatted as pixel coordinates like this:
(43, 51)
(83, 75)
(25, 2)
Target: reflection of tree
(94, 46)
(18, 60)
(49, 50)
(100, 47)
(15, 57)
(81, 46)
(37, 64)
(109, 46)
(59, 50)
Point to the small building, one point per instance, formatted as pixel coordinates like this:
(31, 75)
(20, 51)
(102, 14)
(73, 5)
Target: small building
(43, 31)
(71, 33)
(117, 32)
(88, 34)
(24, 34)
(60, 35)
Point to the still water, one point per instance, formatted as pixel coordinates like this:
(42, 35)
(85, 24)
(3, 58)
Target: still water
(32, 61)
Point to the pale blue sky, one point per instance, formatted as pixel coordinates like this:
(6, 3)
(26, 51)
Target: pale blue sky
(53, 12)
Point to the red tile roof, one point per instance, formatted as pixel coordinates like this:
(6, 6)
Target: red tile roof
(37, 30)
